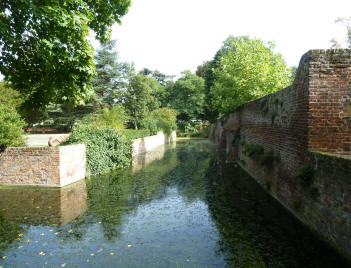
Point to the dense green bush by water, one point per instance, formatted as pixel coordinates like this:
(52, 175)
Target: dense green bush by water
(107, 148)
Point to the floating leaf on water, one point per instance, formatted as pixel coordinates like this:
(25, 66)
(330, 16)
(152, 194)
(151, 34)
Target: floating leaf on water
(129, 246)
(100, 250)
(28, 241)
(4, 257)
(92, 254)
(57, 233)
(42, 253)
(42, 234)
(63, 264)
(51, 230)
(111, 253)
(70, 231)
(20, 235)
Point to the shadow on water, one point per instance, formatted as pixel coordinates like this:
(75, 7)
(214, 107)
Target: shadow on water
(183, 206)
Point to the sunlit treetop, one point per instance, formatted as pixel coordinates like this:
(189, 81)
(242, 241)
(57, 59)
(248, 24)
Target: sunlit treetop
(45, 53)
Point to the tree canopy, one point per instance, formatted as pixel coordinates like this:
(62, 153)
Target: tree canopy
(45, 54)
(187, 96)
(246, 69)
(140, 97)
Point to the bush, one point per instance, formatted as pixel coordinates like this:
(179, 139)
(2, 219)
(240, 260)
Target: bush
(133, 134)
(11, 127)
(165, 119)
(107, 148)
(189, 129)
(150, 124)
(114, 117)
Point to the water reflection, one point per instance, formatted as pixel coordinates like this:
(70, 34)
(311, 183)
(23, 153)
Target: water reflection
(43, 206)
(187, 208)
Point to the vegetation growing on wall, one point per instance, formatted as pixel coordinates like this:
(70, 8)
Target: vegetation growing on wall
(107, 148)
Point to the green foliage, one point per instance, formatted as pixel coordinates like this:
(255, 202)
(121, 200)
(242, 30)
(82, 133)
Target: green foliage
(107, 148)
(149, 123)
(247, 69)
(45, 53)
(11, 127)
(9, 96)
(187, 96)
(140, 97)
(268, 159)
(165, 119)
(304, 175)
(114, 117)
(253, 150)
(109, 81)
(189, 129)
(133, 134)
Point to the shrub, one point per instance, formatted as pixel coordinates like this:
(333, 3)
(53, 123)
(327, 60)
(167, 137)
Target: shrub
(150, 124)
(114, 117)
(11, 127)
(189, 129)
(133, 134)
(107, 148)
(165, 119)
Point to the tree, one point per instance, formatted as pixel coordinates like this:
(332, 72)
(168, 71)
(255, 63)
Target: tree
(140, 97)
(9, 96)
(11, 127)
(248, 69)
(44, 50)
(108, 81)
(187, 96)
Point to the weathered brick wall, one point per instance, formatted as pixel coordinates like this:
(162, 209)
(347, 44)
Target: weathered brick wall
(329, 122)
(48, 166)
(294, 125)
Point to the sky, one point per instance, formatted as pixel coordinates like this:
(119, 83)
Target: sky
(176, 35)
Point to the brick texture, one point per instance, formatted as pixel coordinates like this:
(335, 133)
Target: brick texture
(47, 166)
(306, 124)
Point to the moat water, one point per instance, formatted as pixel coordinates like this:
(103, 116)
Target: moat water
(183, 207)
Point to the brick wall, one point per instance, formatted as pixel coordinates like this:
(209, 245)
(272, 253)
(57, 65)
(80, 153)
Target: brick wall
(296, 125)
(47, 166)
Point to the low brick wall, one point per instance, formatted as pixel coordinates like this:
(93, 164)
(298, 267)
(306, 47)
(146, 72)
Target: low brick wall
(146, 144)
(297, 144)
(45, 166)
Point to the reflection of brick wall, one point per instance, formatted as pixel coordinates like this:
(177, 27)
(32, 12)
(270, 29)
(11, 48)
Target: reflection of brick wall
(49, 166)
(43, 205)
(298, 123)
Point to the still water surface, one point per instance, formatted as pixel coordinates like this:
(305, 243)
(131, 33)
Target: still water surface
(182, 207)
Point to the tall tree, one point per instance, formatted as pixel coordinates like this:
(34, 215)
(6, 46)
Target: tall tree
(44, 50)
(187, 96)
(140, 97)
(248, 69)
(108, 81)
